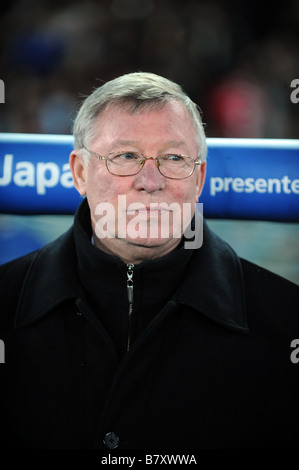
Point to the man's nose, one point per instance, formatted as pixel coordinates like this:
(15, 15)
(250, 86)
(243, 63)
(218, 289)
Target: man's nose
(149, 178)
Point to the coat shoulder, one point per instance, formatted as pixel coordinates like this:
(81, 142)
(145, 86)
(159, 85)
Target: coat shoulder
(270, 295)
(255, 273)
(14, 273)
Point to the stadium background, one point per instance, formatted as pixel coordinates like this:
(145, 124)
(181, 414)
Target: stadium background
(235, 59)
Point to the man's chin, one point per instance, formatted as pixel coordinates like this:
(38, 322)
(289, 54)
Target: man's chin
(136, 250)
(147, 242)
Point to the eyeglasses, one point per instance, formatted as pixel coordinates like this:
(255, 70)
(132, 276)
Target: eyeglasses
(124, 163)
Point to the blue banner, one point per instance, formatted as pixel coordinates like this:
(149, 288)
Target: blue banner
(255, 179)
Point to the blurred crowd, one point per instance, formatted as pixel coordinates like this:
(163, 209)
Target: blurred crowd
(235, 59)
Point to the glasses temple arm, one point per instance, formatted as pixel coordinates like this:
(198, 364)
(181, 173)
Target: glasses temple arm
(94, 154)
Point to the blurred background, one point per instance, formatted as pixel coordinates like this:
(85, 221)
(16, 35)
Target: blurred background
(236, 60)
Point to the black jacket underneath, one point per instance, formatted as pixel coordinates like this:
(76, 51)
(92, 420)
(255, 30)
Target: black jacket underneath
(208, 365)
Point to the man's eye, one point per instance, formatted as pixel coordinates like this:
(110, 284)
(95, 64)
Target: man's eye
(127, 156)
(174, 158)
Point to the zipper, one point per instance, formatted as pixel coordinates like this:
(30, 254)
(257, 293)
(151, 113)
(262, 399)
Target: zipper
(130, 268)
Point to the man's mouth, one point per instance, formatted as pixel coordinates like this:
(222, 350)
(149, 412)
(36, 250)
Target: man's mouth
(147, 211)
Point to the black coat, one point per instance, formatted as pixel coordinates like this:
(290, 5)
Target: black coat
(212, 369)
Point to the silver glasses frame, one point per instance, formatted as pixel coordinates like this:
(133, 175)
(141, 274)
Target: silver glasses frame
(142, 162)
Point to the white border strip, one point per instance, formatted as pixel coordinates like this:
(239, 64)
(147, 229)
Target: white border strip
(211, 141)
(261, 143)
(37, 138)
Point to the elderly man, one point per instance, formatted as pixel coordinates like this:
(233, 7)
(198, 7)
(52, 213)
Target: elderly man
(119, 334)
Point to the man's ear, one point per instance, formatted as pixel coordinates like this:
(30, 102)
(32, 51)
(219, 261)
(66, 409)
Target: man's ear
(78, 170)
(200, 179)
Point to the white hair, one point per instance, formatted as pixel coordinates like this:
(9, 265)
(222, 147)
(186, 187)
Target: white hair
(134, 92)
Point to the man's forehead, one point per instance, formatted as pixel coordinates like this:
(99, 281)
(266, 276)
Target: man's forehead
(170, 126)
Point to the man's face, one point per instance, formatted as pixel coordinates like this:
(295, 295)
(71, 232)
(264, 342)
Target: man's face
(152, 133)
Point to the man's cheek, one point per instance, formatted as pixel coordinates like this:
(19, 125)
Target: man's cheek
(181, 196)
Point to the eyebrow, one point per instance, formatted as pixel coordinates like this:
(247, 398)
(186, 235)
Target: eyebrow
(125, 142)
(175, 143)
(170, 143)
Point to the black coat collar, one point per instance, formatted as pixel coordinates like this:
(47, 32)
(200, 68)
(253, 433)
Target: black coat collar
(213, 282)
